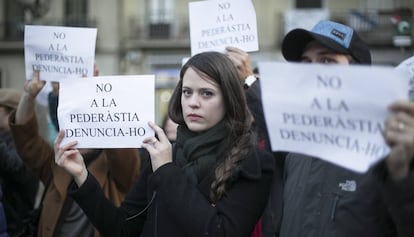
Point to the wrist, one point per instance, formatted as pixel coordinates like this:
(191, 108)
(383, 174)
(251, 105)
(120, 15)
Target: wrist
(80, 179)
(248, 82)
(29, 96)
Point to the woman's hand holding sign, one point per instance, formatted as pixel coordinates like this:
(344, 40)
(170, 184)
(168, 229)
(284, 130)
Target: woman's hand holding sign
(399, 135)
(159, 149)
(68, 157)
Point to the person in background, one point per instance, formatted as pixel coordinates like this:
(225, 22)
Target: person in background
(3, 221)
(115, 170)
(19, 184)
(322, 199)
(215, 182)
(338, 201)
(250, 78)
(53, 100)
(170, 128)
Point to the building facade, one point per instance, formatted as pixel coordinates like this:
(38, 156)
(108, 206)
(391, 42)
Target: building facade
(152, 36)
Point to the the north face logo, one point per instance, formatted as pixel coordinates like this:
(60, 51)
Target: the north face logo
(349, 186)
(338, 34)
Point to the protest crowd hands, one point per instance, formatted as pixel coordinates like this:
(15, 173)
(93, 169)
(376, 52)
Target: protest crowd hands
(242, 61)
(69, 158)
(26, 108)
(34, 86)
(399, 135)
(160, 149)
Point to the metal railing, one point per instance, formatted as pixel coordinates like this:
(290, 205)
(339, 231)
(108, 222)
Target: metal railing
(378, 27)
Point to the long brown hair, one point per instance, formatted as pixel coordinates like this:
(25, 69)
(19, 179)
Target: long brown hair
(219, 68)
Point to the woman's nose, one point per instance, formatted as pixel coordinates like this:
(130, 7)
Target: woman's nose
(194, 101)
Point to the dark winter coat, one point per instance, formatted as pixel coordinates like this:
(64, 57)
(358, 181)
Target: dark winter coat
(178, 207)
(322, 199)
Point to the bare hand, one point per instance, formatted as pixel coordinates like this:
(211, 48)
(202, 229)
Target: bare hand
(241, 60)
(34, 86)
(70, 159)
(399, 135)
(159, 150)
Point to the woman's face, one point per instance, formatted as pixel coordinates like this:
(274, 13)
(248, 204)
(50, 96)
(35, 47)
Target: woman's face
(201, 101)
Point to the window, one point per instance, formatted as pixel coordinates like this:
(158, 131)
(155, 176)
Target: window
(14, 23)
(161, 16)
(76, 13)
(161, 11)
(308, 4)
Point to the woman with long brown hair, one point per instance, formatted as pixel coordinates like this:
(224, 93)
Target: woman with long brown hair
(212, 182)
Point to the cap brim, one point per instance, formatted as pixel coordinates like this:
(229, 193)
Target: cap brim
(295, 42)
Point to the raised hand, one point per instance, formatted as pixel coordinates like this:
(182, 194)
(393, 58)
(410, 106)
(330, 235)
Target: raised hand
(26, 109)
(242, 61)
(399, 135)
(69, 158)
(34, 86)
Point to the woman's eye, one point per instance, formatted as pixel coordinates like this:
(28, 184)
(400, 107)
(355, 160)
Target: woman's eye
(186, 92)
(207, 93)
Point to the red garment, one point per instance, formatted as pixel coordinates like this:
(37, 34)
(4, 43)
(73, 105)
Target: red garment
(257, 232)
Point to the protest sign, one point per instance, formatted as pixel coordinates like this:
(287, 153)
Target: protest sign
(333, 112)
(408, 65)
(216, 24)
(59, 52)
(106, 112)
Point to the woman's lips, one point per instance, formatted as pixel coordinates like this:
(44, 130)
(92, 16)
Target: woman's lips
(193, 117)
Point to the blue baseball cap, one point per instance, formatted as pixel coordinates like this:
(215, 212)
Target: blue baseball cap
(338, 37)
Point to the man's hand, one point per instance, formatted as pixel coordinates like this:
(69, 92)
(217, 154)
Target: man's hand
(241, 60)
(399, 135)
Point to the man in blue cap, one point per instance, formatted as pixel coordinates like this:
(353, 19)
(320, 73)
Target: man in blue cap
(321, 199)
(339, 40)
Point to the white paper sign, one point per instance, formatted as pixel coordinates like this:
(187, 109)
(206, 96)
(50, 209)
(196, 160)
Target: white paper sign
(408, 65)
(59, 52)
(216, 24)
(335, 112)
(106, 112)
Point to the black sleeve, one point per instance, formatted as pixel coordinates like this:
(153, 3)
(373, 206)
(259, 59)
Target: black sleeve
(7, 162)
(109, 220)
(235, 214)
(399, 198)
(12, 168)
(20, 181)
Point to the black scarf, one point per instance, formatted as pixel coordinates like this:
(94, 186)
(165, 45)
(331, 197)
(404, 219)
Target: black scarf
(196, 153)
